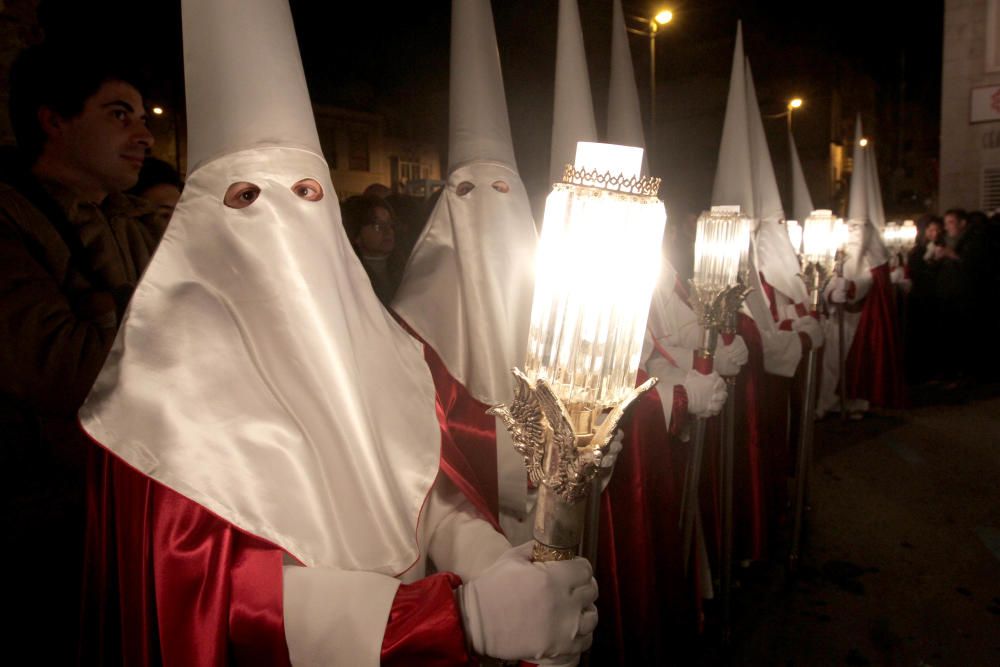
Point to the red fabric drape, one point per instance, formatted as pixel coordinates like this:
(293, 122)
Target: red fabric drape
(169, 583)
(422, 625)
(472, 446)
(647, 607)
(874, 362)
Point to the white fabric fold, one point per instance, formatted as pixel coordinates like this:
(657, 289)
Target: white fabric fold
(252, 356)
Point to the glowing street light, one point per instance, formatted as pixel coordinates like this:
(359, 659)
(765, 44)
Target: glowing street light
(793, 104)
(157, 111)
(863, 142)
(664, 17)
(652, 29)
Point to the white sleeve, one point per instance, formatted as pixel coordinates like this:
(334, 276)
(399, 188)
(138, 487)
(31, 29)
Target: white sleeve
(459, 539)
(782, 352)
(335, 617)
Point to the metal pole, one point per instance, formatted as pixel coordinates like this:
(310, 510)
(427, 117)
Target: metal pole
(726, 473)
(804, 455)
(842, 352)
(652, 83)
(592, 527)
(689, 504)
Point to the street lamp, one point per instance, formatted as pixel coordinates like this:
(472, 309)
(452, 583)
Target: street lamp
(651, 28)
(793, 104)
(863, 142)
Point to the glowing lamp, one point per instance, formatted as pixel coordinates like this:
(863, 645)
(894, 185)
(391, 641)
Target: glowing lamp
(597, 263)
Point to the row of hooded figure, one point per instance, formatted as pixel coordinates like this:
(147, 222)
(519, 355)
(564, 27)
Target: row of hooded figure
(287, 472)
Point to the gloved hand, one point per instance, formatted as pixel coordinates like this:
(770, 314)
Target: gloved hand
(519, 610)
(838, 290)
(610, 458)
(810, 327)
(897, 275)
(706, 393)
(729, 359)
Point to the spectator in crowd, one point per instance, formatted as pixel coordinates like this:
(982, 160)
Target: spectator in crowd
(72, 247)
(371, 227)
(961, 284)
(922, 306)
(160, 185)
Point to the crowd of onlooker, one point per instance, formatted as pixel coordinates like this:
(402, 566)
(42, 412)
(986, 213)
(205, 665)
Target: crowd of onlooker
(952, 314)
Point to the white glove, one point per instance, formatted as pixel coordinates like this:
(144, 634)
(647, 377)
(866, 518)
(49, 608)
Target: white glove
(809, 326)
(706, 393)
(897, 276)
(729, 359)
(519, 610)
(610, 458)
(838, 290)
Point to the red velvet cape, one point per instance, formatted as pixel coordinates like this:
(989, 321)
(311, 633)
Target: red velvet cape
(169, 583)
(874, 362)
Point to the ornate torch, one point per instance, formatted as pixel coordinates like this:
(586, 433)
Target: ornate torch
(597, 264)
(823, 237)
(717, 290)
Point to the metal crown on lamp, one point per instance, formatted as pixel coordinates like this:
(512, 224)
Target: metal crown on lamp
(597, 264)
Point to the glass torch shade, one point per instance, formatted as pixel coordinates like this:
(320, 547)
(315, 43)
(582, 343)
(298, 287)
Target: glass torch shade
(890, 235)
(597, 263)
(721, 246)
(908, 234)
(822, 236)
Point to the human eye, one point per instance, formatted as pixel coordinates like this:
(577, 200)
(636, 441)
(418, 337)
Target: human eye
(241, 195)
(308, 189)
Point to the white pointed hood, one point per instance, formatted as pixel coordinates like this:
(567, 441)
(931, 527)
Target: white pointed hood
(857, 198)
(255, 372)
(802, 204)
(734, 171)
(875, 209)
(775, 254)
(865, 249)
(573, 110)
(479, 128)
(624, 115)
(467, 287)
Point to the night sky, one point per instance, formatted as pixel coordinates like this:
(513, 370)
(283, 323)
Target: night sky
(392, 56)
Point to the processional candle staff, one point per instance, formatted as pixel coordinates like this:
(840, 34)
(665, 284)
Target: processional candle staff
(717, 290)
(597, 264)
(823, 237)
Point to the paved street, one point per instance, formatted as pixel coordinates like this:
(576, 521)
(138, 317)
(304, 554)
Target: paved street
(902, 563)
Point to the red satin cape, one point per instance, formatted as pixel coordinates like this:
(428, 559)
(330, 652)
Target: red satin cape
(646, 605)
(874, 362)
(166, 582)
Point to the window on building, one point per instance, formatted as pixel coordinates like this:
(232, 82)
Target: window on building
(412, 171)
(358, 155)
(990, 193)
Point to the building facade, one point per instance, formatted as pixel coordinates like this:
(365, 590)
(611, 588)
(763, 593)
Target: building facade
(970, 105)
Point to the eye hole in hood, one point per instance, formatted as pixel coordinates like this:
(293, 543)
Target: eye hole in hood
(241, 194)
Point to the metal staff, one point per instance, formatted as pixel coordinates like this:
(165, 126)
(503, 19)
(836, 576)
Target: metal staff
(815, 277)
(726, 473)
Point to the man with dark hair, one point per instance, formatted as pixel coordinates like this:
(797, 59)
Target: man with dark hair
(72, 248)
